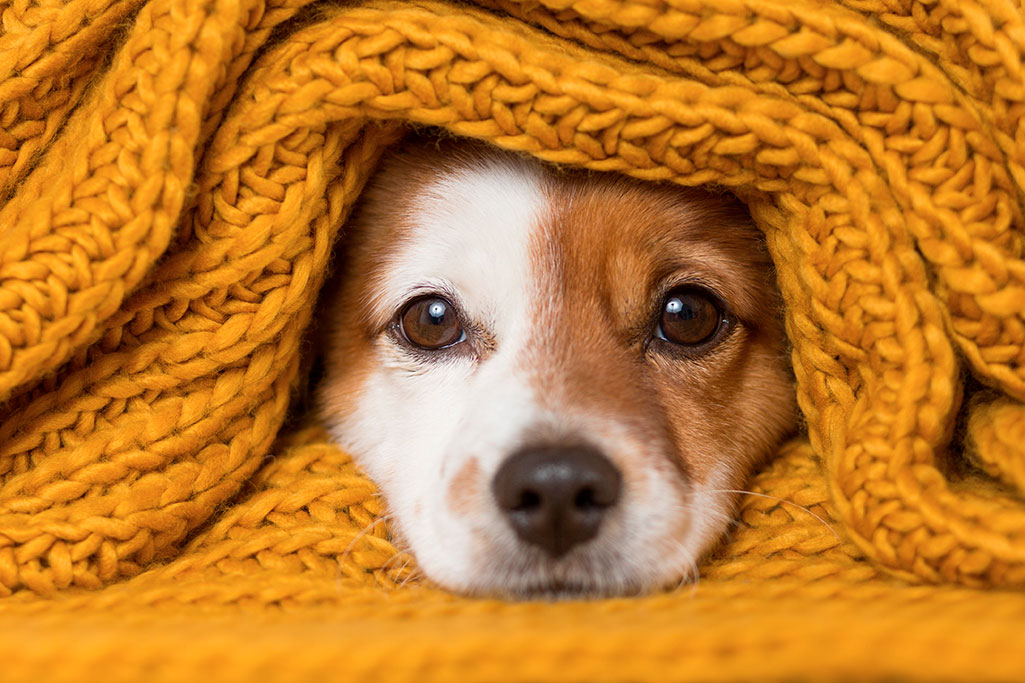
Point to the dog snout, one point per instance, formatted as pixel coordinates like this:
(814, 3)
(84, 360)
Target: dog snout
(556, 497)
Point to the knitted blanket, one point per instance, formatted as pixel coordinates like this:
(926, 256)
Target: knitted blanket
(174, 175)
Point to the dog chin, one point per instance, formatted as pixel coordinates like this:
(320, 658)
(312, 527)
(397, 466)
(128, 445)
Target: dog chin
(565, 592)
(580, 575)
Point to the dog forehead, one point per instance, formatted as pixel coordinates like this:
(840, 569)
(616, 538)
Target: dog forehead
(468, 231)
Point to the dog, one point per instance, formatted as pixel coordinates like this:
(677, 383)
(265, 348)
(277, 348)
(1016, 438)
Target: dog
(558, 378)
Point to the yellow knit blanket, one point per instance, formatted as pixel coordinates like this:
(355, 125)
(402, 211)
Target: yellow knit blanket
(174, 173)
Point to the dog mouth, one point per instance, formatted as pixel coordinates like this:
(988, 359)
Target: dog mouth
(576, 588)
(557, 590)
(560, 591)
(621, 583)
(590, 572)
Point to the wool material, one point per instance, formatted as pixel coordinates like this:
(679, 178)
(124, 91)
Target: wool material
(174, 175)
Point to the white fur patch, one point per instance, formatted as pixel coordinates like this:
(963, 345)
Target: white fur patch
(415, 424)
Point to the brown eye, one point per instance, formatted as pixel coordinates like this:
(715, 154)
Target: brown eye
(690, 316)
(430, 322)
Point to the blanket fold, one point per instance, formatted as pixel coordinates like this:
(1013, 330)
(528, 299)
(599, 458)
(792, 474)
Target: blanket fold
(174, 175)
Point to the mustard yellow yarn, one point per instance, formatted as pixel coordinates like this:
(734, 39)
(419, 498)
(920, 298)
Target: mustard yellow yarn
(174, 175)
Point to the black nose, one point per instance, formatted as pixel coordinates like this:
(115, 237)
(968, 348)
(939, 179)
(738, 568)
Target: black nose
(556, 496)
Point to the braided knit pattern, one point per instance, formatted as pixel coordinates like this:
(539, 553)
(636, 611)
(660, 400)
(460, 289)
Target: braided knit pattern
(175, 173)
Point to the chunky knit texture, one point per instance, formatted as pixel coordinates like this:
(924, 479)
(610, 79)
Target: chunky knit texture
(174, 174)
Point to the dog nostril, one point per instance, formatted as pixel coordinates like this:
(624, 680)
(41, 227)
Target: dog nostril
(529, 500)
(586, 500)
(556, 497)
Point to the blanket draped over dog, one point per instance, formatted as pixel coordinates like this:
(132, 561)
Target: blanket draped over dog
(173, 178)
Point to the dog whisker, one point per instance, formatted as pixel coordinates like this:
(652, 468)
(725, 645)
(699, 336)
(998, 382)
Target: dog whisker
(416, 574)
(780, 500)
(693, 575)
(385, 566)
(397, 571)
(363, 532)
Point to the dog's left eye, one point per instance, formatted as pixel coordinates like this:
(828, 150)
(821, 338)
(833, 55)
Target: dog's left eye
(691, 316)
(431, 323)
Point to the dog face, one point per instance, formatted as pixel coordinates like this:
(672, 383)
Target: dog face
(554, 377)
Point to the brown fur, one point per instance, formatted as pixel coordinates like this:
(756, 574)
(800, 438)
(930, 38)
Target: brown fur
(608, 249)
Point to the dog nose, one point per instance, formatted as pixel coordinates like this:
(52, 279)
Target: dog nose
(555, 497)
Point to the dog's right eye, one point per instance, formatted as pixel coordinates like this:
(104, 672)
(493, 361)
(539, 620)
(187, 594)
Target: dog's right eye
(431, 323)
